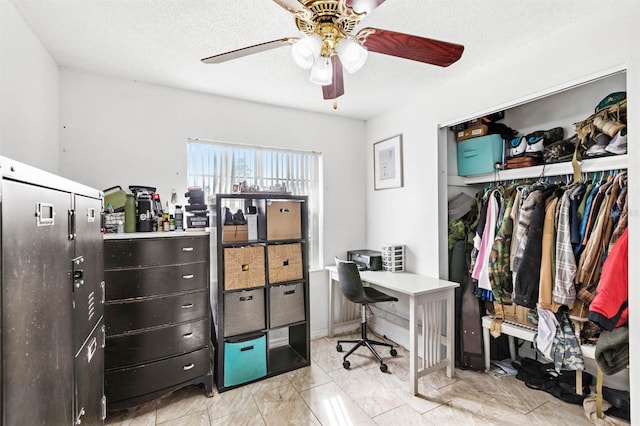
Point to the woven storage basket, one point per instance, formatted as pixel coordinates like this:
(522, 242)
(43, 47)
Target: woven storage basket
(283, 220)
(243, 267)
(285, 262)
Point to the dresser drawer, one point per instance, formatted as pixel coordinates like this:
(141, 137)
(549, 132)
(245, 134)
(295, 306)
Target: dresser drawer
(137, 381)
(121, 317)
(159, 280)
(151, 345)
(155, 251)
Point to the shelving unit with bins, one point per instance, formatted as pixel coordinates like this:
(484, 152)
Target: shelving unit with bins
(261, 312)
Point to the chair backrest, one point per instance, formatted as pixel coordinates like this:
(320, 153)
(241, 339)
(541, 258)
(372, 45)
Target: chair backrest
(350, 282)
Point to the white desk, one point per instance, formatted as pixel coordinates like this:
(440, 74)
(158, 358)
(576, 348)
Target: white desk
(425, 292)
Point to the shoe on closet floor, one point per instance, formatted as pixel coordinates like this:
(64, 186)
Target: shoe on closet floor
(618, 144)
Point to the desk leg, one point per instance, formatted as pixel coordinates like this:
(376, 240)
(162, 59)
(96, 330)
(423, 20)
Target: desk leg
(331, 304)
(487, 348)
(451, 338)
(413, 346)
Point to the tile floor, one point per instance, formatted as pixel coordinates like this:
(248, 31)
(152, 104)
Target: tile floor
(327, 394)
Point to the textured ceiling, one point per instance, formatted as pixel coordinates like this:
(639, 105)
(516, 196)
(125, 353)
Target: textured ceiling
(162, 42)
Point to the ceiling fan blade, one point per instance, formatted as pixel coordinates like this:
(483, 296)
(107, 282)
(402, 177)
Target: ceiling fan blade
(336, 88)
(364, 6)
(296, 8)
(250, 50)
(408, 46)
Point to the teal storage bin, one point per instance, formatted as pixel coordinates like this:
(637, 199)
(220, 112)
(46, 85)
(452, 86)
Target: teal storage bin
(245, 360)
(479, 155)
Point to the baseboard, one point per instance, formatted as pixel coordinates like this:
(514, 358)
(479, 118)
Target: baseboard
(344, 328)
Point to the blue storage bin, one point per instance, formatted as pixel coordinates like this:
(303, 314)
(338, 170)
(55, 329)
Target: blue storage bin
(479, 155)
(245, 360)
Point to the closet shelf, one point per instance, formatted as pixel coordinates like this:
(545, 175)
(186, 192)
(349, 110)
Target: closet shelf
(556, 169)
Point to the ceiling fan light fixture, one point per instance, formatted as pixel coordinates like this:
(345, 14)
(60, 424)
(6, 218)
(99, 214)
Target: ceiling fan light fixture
(322, 71)
(352, 54)
(307, 50)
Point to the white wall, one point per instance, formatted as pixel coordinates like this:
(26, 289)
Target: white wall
(570, 54)
(118, 132)
(28, 94)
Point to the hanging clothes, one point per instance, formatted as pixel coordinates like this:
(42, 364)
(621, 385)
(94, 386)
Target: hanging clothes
(566, 351)
(591, 260)
(527, 283)
(548, 260)
(481, 269)
(499, 261)
(564, 292)
(609, 308)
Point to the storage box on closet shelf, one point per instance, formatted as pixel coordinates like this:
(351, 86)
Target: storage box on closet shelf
(393, 257)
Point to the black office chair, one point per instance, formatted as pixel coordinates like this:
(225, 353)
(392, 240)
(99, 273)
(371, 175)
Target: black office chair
(355, 292)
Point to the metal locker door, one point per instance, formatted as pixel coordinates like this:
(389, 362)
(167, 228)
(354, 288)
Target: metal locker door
(91, 406)
(88, 270)
(36, 309)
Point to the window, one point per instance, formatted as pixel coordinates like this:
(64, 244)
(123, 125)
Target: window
(216, 167)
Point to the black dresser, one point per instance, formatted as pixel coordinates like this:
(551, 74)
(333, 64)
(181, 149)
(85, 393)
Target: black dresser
(157, 315)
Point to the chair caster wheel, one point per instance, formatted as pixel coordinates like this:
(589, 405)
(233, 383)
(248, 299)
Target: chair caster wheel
(393, 352)
(339, 347)
(383, 368)
(346, 365)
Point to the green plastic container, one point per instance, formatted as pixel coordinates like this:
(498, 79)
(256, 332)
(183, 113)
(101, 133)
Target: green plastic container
(130, 214)
(116, 197)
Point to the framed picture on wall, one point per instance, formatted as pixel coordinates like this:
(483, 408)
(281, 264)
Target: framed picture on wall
(387, 163)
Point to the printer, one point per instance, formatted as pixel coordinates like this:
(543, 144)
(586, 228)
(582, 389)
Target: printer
(366, 259)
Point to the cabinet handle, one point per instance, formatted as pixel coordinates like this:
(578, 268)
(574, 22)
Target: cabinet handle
(187, 305)
(187, 277)
(91, 349)
(188, 335)
(188, 367)
(187, 248)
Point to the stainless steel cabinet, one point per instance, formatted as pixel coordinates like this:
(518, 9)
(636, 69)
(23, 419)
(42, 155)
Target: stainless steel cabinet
(51, 334)
(157, 316)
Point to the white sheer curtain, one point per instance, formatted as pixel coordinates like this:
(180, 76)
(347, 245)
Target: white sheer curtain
(218, 166)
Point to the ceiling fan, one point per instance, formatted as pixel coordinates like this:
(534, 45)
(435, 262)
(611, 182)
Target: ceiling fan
(328, 44)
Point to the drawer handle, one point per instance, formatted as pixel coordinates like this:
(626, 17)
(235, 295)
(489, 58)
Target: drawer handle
(285, 262)
(187, 336)
(188, 367)
(245, 267)
(288, 292)
(187, 306)
(187, 277)
(246, 298)
(187, 248)
(246, 348)
(284, 210)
